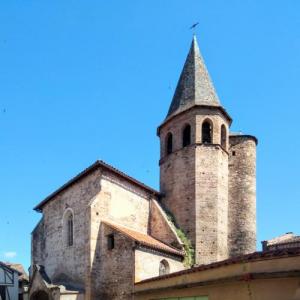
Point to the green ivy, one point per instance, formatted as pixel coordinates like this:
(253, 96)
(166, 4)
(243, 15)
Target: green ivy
(189, 258)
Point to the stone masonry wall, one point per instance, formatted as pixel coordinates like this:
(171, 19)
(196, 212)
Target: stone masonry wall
(61, 260)
(161, 228)
(116, 268)
(121, 202)
(127, 204)
(211, 204)
(211, 193)
(38, 244)
(242, 195)
(194, 181)
(177, 175)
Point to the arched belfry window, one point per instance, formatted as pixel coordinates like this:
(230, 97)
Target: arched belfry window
(207, 132)
(164, 267)
(169, 143)
(186, 135)
(68, 227)
(223, 136)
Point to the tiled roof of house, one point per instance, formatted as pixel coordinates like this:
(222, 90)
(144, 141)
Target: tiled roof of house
(94, 166)
(144, 239)
(6, 266)
(288, 240)
(18, 267)
(289, 237)
(255, 256)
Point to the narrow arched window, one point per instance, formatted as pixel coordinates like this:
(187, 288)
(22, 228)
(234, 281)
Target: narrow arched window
(169, 143)
(70, 230)
(207, 132)
(186, 136)
(223, 136)
(68, 227)
(164, 267)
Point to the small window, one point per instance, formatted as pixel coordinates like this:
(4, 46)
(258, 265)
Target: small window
(233, 153)
(207, 132)
(223, 136)
(169, 143)
(164, 267)
(186, 136)
(110, 242)
(70, 230)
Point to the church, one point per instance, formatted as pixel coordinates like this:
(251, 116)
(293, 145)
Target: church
(103, 231)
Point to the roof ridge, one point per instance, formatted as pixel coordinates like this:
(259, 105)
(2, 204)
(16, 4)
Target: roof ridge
(92, 167)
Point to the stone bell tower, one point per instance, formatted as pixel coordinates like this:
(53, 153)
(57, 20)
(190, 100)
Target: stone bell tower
(194, 172)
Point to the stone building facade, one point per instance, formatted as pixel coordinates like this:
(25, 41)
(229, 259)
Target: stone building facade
(110, 216)
(103, 230)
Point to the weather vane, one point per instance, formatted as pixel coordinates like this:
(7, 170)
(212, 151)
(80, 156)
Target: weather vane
(194, 26)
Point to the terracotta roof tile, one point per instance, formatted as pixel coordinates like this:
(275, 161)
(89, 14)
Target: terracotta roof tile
(19, 267)
(287, 238)
(144, 239)
(8, 267)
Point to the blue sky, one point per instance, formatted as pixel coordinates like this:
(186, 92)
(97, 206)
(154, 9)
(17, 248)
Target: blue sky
(86, 80)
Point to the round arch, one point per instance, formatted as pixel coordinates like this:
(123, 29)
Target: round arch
(68, 227)
(164, 267)
(207, 131)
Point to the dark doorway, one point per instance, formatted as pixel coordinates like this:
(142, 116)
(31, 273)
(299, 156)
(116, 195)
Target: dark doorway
(40, 295)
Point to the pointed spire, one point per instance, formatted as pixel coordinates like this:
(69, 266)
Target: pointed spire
(194, 86)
